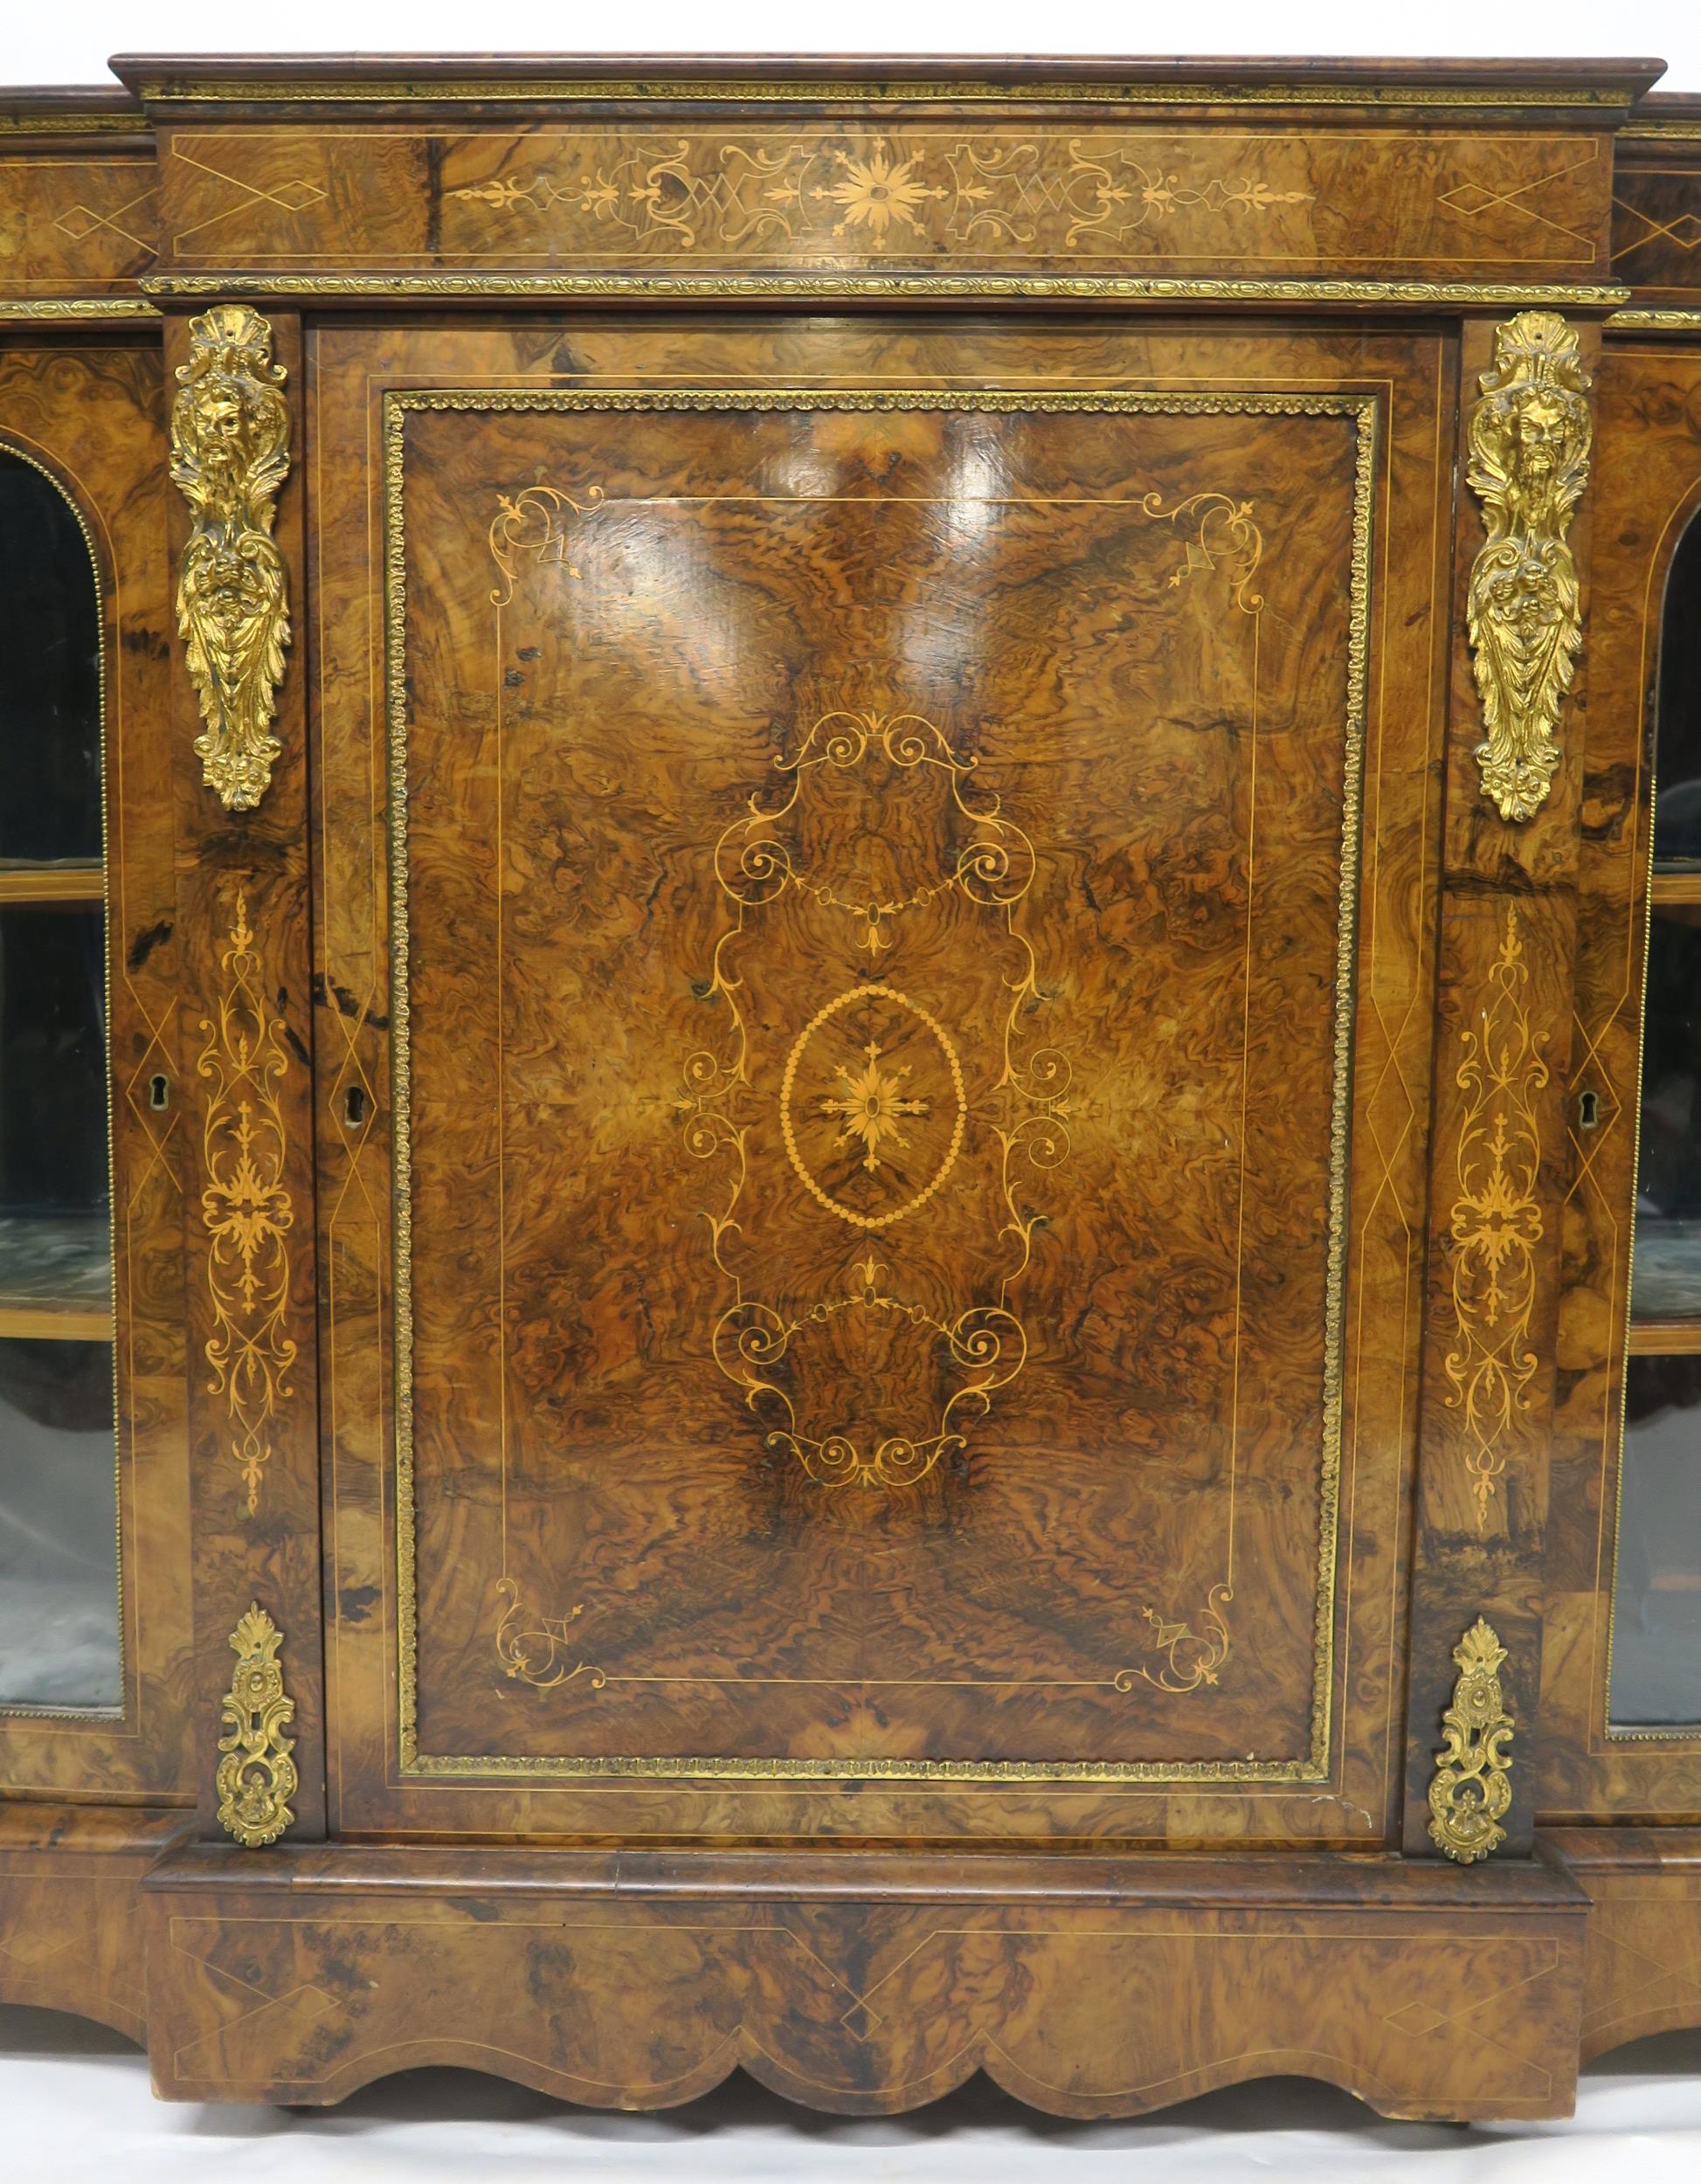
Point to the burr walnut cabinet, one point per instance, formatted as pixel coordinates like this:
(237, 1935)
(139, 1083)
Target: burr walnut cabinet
(850, 1074)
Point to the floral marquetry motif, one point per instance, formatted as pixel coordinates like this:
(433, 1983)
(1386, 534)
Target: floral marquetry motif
(893, 194)
(1496, 1218)
(247, 1211)
(229, 453)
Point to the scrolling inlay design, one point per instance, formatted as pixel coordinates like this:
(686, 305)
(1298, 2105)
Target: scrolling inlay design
(257, 1776)
(1472, 1788)
(245, 1207)
(1529, 438)
(1496, 1217)
(922, 191)
(1215, 533)
(983, 1346)
(230, 454)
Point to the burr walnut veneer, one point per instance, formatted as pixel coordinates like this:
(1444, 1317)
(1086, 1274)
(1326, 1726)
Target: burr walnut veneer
(877, 856)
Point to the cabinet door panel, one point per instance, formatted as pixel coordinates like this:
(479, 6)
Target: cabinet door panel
(861, 1001)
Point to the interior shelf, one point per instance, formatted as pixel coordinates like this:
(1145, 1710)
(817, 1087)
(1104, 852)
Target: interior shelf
(41, 886)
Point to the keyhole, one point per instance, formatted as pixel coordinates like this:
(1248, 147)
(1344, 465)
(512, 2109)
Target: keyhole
(1588, 1109)
(159, 1091)
(354, 1107)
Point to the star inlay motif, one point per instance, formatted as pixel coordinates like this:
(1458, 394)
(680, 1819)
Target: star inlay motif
(870, 1106)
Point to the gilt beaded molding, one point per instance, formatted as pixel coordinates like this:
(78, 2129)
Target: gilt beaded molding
(806, 288)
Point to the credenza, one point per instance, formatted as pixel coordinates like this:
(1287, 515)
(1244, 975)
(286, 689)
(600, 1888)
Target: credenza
(850, 1073)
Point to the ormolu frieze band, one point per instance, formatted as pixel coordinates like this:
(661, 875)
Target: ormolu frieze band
(1530, 436)
(229, 453)
(1427, 295)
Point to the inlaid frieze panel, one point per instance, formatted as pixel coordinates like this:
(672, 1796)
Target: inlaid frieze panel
(1656, 226)
(995, 196)
(76, 225)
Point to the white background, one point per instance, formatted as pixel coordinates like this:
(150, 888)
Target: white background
(75, 2108)
(67, 41)
(74, 2102)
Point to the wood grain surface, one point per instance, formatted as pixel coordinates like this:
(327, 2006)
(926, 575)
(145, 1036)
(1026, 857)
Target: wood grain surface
(71, 1927)
(75, 220)
(1500, 1162)
(1643, 1965)
(867, 1984)
(1656, 218)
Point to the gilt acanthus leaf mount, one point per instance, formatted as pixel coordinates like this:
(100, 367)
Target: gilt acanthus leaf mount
(1529, 438)
(230, 454)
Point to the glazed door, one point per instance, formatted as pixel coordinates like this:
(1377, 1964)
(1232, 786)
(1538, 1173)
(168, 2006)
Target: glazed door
(94, 1615)
(1623, 1662)
(877, 891)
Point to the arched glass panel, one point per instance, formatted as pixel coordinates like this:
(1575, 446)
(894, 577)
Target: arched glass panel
(1656, 1605)
(59, 1646)
(1677, 735)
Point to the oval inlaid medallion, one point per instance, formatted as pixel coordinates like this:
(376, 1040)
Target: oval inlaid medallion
(872, 1106)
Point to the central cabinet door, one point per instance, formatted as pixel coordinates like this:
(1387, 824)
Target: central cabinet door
(876, 887)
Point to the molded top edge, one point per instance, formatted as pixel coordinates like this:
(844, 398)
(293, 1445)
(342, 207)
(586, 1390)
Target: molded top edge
(365, 77)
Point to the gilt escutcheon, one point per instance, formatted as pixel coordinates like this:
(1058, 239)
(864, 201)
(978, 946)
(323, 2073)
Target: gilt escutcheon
(1472, 1788)
(257, 1776)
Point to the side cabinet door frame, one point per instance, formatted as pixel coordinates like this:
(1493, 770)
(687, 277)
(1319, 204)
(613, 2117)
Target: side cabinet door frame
(240, 740)
(1648, 491)
(90, 413)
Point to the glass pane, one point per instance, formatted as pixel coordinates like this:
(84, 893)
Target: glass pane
(1678, 738)
(60, 1644)
(1656, 1615)
(58, 1545)
(52, 1061)
(49, 674)
(1665, 1281)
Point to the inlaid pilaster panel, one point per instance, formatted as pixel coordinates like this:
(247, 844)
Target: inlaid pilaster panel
(1502, 1147)
(238, 440)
